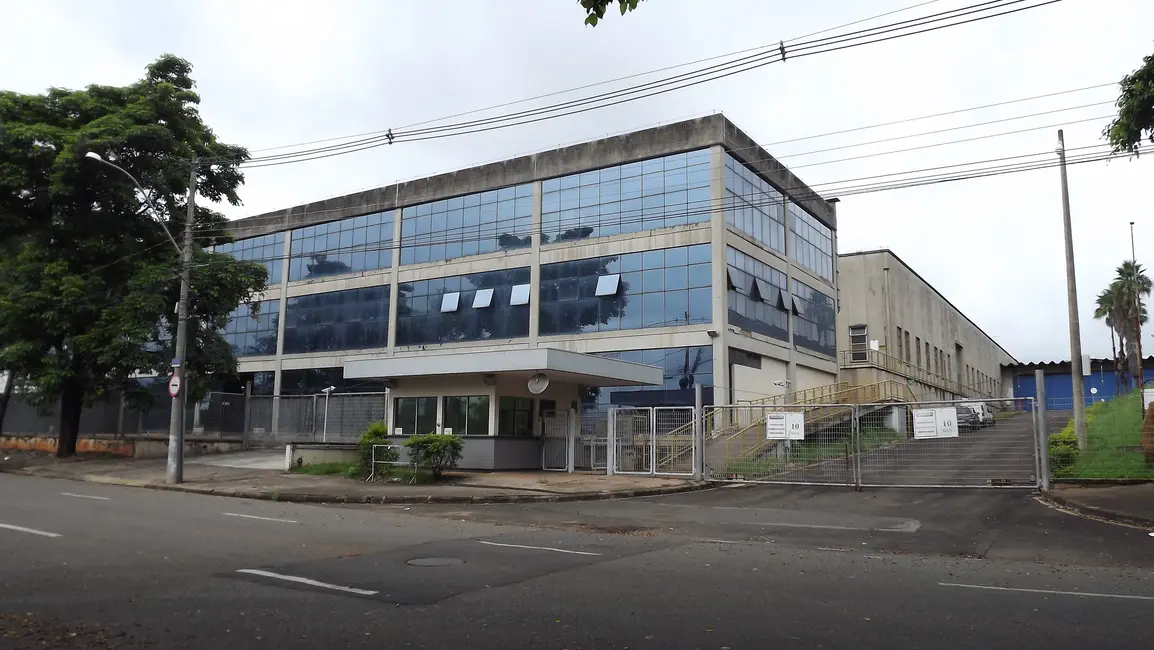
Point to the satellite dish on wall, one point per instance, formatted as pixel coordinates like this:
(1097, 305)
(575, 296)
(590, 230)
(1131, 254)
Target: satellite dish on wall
(538, 383)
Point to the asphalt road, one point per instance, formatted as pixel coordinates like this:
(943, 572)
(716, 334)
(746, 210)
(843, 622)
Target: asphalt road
(94, 566)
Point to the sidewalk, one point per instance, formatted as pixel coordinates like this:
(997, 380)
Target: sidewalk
(1127, 504)
(277, 485)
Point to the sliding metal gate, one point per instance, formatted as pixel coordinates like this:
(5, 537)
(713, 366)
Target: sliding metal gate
(653, 440)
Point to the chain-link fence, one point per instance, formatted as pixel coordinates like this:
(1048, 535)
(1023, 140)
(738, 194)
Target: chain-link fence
(1113, 447)
(991, 443)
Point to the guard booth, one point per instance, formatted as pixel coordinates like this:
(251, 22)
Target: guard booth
(515, 409)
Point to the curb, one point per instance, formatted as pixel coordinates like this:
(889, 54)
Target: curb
(1096, 512)
(302, 497)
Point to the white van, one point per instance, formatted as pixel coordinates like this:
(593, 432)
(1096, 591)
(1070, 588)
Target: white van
(985, 413)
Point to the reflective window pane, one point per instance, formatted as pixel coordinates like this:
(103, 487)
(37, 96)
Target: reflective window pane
(814, 319)
(481, 310)
(352, 319)
(266, 249)
(353, 245)
(682, 368)
(468, 225)
(753, 206)
(755, 286)
(811, 243)
(253, 332)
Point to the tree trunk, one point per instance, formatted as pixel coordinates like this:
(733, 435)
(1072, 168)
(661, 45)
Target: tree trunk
(8, 389)
(1114, 352)
(71, 405)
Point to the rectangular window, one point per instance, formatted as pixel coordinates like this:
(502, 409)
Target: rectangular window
(415, 415)
(661, 192)
(814, 320)
(918, 344)
(467, 416)
(483, 298)
(753, 206)
(937, 362)
(757, 299)
(353, 319)
(811, 243)
(467, 225)
(655, 288)
(354, 245)
(929, 364)
(515, 416)
(449, 302)
(607, 285)
(899, 344)
(253, 333)
(907, 348)
(474, 307)
(858, 343)
(266, 249)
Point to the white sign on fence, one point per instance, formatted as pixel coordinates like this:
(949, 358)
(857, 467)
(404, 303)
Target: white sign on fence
(936, 423)
(785, 426)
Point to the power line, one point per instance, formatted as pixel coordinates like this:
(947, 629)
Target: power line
(651, 88)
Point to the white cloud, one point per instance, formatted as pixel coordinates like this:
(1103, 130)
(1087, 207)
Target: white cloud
(273, 73)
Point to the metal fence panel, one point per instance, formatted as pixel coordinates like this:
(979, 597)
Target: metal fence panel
(631, 438)
(803, 444)
(591, 449)
(675, 448)
(987, 443)
(555, 441)
(343, 417)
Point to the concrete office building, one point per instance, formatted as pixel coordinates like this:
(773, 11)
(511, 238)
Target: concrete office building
(894, 325)
(625, 270)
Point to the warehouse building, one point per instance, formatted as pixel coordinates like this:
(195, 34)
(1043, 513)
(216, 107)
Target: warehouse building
(623, 271)
(894, 325)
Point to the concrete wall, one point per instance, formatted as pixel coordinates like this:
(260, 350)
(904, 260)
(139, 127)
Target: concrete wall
(135, 448)
(300, 455)
(917, 308)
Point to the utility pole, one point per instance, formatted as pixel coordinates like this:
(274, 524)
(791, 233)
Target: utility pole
(175, 471)
(1072, 305)
(1137, 316)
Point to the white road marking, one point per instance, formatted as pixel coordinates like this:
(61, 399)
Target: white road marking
(538, 548)
(307, 581)
(84, 496)
(283, 521)
(1047, 591)
(30, 531)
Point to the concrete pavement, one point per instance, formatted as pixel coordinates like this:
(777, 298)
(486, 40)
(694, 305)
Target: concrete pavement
(142, 568)
(1131, 504)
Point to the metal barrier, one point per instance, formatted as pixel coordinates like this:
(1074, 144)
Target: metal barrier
(991, 443)
(342, 417)
(653, 440)
(591, 449)
(556, 442)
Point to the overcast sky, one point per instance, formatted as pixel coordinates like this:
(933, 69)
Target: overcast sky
(279, 72)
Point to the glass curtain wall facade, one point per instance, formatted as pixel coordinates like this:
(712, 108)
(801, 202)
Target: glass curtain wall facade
(353, 319)
(657, 193)
(474, 307)
(467, 225)
(814, 319)
(266, 249)
(253, 333)
(810, 243)
(682, 368)
(753, 206)
(758, 296)
(354, 245)
(658, 288)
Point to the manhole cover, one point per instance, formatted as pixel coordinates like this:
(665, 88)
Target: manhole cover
(435, 561)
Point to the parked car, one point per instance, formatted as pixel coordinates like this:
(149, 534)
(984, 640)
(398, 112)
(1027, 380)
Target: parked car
(985, 413)
(968, 418)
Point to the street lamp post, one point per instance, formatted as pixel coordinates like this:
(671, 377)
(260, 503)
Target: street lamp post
(325, 431)
(174, 472)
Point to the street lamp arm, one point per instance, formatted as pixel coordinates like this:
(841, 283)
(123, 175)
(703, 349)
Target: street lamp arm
(92, 155)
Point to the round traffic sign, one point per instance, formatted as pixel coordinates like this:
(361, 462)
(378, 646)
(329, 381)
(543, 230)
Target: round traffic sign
(174, 386)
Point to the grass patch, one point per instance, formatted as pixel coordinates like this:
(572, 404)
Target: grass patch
(352, 471)
(1113, 435)
(819, 448)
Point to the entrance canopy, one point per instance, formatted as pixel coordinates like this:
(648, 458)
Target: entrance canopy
(557, 365)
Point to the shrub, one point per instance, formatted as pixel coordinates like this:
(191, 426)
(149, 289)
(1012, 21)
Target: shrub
(1063, 449)
(376, 434)
(435, 452)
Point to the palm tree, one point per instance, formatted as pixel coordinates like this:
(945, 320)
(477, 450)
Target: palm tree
(1130, 286)
(1106, 309)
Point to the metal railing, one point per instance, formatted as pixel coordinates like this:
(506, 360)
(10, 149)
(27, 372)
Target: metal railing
(850, 359)
(815, 394)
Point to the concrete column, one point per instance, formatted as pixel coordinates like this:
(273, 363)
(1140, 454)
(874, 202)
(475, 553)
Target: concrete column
(535, 269)
(284, 298)
(791, 365)
(720, 315)
(394, 293)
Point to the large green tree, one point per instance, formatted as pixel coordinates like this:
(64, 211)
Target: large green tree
(595, 9)
(1135, 121)
(89, 277)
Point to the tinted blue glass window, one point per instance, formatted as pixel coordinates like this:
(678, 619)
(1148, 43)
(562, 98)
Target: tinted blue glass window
(267, 249)
(353, 245)
(682, 368)
(810, 243)
(753, 206)
(658, 288)
(757, 307)
(353, 319)
(262, 382)
(657, 193)
(467, 225)
(252, 333)
(482, 308)
(813, 320)
(313, 380)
